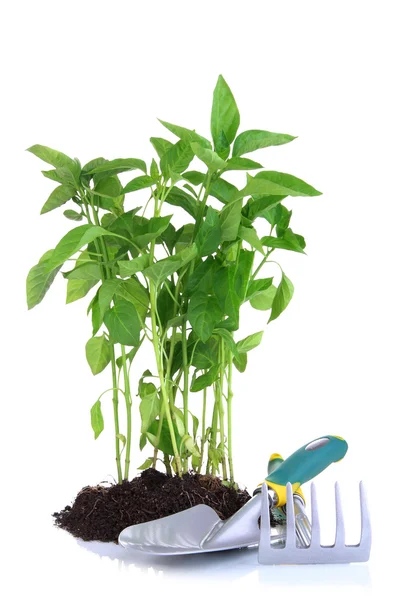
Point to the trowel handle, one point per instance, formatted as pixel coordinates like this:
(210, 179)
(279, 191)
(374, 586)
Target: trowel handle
(275, 460)
(305, 464)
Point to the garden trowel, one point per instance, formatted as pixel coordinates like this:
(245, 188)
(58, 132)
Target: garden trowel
(199, 529)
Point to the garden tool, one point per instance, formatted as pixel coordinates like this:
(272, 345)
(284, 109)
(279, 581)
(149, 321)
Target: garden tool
(199, 529)
(302, 523)
(308, 553)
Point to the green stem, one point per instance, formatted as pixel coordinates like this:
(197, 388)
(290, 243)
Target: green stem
(163, 388)
(185, 383)
(116, 417)
(213, 435)
(219, 386)
(101, 250)
(156, 347)
(203, 428)
(158, 436)
(229, 403)
(128, 403)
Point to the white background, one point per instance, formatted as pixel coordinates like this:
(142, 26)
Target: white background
(90, 78)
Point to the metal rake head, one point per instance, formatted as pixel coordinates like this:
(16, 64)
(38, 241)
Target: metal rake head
(314, 553)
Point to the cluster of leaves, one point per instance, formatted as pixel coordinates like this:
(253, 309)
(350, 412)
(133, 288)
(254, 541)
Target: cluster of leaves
(181, 290)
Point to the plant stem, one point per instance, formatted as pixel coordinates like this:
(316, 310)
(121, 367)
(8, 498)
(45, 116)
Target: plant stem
(229, 403)
(219, 388)
(103, 257)
(116, 417)
(185, 384)
(156, 347)
(203, 428)
(158, 436)
(128, 403)
(163, 389)
(213, 435)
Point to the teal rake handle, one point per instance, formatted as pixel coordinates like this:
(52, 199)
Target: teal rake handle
(305, 464)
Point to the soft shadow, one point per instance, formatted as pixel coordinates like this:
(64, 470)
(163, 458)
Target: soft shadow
(233, 565)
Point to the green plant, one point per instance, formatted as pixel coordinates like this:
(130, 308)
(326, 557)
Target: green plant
(180, 290)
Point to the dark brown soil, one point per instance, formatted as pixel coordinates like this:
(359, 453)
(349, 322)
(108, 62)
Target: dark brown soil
(101, 513)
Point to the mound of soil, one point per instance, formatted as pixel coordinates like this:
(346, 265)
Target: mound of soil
(100, 513)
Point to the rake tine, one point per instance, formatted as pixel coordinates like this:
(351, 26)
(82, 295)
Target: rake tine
(340, 531)
(315, 524)
(265, 527)
(365, 538)
(290, 518)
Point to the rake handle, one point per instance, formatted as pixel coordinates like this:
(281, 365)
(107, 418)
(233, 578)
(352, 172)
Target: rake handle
(304, 464)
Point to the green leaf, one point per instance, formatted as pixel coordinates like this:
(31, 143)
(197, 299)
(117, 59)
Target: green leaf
(186, 134)
(58, 197)
(139, 183)
(241, 363)
(225, 116)
(98, 353)
(165, 444)
(230, 217)
(39, 280)
(228, 339)
(257, 286)
(203, 314)
(118, 165)
(56, 159)
(162, 269)
(154, 172)
(202, 277)
(205, 355)
(259, 205)
(178, 419)
(194, 177)
(250, 342)
(284, 294)
(85, 268)
(146, 465)
(208, 157)
(73, 241)
(105, 296)
(205, 380)
(289, 241)
(166, 307)
(241, 164)
(224, 191)
(160, 145)
(254, 139)
(277, 184)
(230, 285)
(136, 265)
(222, 146)
(249, 235)
(147, 230)
(122, 439)
(96, 419)
(54, 175)
(78, 288)
(264, 299)
(129, 357)
(133, 291)
(73, 215)
(190, 445)
(94, 309)
(123, 323)
(176, 159)
(209, 234)
(177, 197)
(109, 187)
(150, 404)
